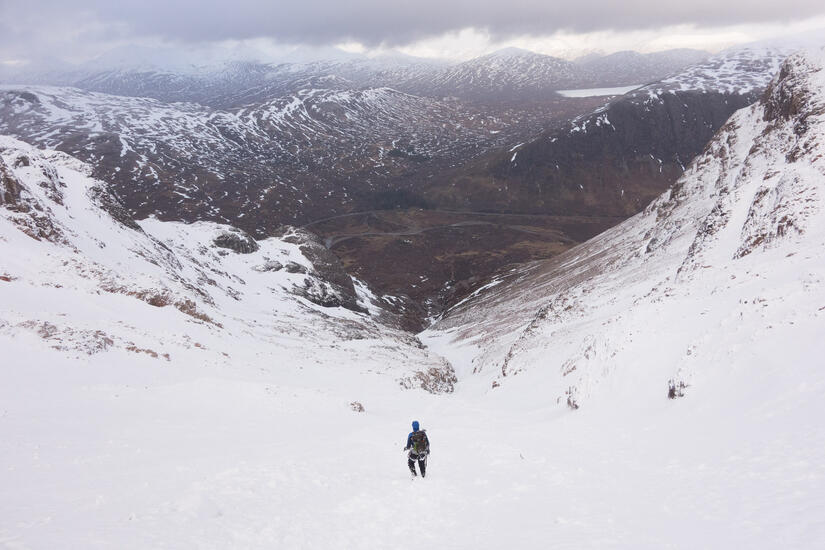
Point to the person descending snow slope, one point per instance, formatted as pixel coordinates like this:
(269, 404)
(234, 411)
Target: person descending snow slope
(419, 446)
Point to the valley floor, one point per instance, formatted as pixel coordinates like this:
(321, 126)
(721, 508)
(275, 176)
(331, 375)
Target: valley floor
(447, 254)
(153, 455)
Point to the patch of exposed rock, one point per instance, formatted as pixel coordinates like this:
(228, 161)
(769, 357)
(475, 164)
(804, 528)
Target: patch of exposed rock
(9, 186)
(269, 266)
(293, 267)
(112, 205)
(785, 97)
(434, 380)
(30, 216)
(236, 240)
(339, 290)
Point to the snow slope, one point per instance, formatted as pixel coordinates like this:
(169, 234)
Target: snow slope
(718, 284)
(135, 355)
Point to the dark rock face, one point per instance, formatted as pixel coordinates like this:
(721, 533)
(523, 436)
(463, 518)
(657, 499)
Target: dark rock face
(238, 241)
(327, 266)
(325, 295)
(785, 97)
(9, 186)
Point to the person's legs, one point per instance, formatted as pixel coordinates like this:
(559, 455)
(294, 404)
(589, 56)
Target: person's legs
(411, 465)
(422, 465)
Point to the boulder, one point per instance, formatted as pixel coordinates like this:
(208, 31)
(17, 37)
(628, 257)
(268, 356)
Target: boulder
(292, 267)
(269, 265)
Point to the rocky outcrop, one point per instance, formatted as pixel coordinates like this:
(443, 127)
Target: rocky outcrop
(236, 240)
(9, 186)
(340, 291)
(318, 292)
(294, 267)
(786, 97)
(31, 216)
(112, 205)
(441, 379)
(269, 266)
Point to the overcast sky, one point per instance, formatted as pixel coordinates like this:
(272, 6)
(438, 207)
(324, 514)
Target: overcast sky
(80, 29)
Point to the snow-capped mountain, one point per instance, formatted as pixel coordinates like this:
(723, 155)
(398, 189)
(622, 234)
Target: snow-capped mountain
(506, 74)
(250, 133)
(514, 74)
(231, 83)
(712, 280)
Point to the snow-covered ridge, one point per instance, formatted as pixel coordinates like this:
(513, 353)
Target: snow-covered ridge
(171, 291)
(719, 273)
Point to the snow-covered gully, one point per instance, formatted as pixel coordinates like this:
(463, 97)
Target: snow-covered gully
(165, 385)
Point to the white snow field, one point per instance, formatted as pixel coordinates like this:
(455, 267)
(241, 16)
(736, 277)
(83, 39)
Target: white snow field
(244, 437)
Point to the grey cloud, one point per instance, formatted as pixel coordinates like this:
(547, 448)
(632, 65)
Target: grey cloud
(371, 22)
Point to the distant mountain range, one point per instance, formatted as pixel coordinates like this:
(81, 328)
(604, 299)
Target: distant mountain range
(509, 75)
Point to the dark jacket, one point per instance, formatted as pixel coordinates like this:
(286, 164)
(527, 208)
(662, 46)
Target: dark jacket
(410, 444)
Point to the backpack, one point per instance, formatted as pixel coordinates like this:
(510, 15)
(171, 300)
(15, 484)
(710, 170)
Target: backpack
(420, 444)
